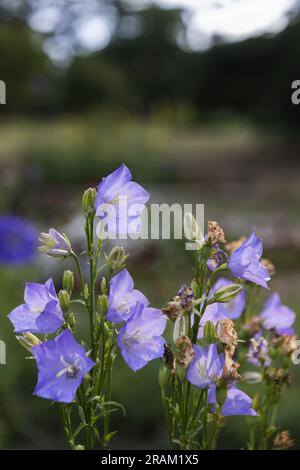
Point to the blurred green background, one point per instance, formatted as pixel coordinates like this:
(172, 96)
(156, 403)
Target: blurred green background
(213, 126)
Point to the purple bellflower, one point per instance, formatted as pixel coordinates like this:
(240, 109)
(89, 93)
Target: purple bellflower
(277, 316)
(244, 262)
(120, 202)
(62, 364)
(55, 244)
(41, 312)
(123, 297)
(235, 307)
(140, 338)
(206, 366)
(18, 241)
(236, 403)
(258, 351)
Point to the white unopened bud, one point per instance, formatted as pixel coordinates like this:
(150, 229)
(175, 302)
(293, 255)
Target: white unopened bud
(55, 244)
(191, 227)
(179, 328)
(28, 340)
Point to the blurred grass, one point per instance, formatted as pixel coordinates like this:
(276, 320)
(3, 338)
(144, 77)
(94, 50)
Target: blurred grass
(244, 177)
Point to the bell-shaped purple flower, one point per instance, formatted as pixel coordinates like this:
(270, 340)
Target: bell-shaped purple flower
(62, 364)
(236, 403)
(18, 241)
(206, 366)
(235, 307)
(244, 262)
(123, 297)
(120, 202)
(41, 312)
(140, 338)
(55, 244)
(277, 316)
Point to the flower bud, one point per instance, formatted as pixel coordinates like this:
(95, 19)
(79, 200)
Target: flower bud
(163, 376)
(226, 293)
(27, 340)
(221, 395)
(209, 332)
(55, 244)
(88, 199)
(255, 402)
(103, 303)
(191, 228)
(194, 285)
(103, 286)
(179, 328)
(72, 322)
(181, 374)
(86, 291)
(252, 377)
(64, 300)
(68, 281)
(116, 258)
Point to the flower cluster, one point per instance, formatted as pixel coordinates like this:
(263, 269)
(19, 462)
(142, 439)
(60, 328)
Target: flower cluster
(216, 335)
(206, 336)
(78, 373)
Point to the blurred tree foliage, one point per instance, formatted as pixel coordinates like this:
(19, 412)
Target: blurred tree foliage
(148, 71)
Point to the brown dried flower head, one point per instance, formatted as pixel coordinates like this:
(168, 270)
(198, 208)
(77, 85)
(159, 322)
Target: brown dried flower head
(230, 371)
(269, 265)
(288, 344)
(283, 440)
(234, 245)
(173, 309)
(227, 333)
(186, 351)
(215, 233)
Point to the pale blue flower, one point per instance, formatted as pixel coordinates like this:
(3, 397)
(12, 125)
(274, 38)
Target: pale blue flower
(123, 297)
(62, 365)
(140, 339)
(41, 312)
(244, 262)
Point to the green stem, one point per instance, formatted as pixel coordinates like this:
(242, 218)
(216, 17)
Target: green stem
(197, 408)
(75, 257)
(90, 242)
(108, 398)
(204, 420)
(65, 417)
